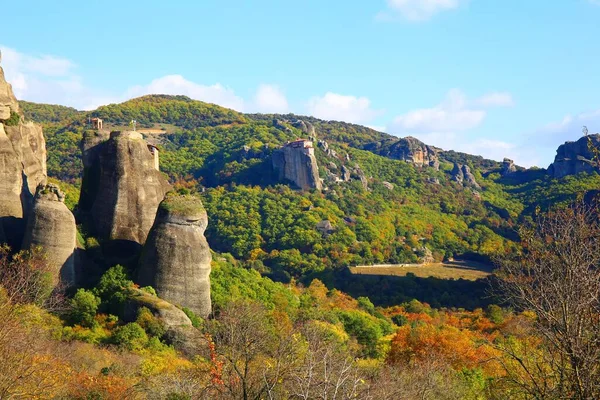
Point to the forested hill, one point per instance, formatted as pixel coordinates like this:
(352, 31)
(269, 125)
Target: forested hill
(403, 200)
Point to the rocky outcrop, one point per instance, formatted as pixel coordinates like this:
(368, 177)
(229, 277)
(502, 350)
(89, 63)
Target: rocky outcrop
(176, 257)
(462, 175)
(305, 126)
(22, 164)
(296, 162)
(408, 149)
(51, 226)
(325, 227)
(346, 174)
(575, 157)
(170, 315)
(508, 167)
(388, 185)
(121, 188)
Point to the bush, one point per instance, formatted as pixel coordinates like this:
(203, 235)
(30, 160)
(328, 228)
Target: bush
(84, 307)
(131, 336)
(152, 325)
(13, 120)
(196, 320)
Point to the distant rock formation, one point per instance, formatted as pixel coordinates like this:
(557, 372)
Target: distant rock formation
(176, 257)
(388, 185)
(325, 227)
(575, 157)
(408, 149)
(508, 167)
(305, 126)
(51, 226)
(296, 162)
(22, 164)
(121, 188)
(462, 174)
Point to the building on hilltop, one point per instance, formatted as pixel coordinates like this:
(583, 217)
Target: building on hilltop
(97, 123)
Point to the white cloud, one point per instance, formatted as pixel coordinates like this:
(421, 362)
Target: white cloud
(496, 99)
(417, 10)
(270, 99)
(452, 115)
(333, 106)
(178, 85)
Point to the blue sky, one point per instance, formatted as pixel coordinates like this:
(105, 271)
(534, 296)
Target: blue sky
(509, 78)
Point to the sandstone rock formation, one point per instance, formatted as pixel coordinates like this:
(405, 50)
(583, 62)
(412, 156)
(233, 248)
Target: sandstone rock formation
(305, 127)
(51, 226)
(121, 188)
(508, 167)
(408, 149)
(575, 157)
(170, 315)
(176, 258)
(462, 174)
(296, 162)
(22, 164)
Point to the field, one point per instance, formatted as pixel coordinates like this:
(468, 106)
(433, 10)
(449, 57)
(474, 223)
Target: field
(455, 270)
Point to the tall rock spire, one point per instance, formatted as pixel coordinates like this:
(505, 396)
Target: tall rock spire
(22, 163)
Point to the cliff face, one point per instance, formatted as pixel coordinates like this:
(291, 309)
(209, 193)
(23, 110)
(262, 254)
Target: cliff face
(22, 164)
(176, 257)
(408, 149)
(52, 226)
(296, 162)
(121, 188)
(575, 157)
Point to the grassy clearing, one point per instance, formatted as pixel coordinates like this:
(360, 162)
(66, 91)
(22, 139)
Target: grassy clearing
(466, 271)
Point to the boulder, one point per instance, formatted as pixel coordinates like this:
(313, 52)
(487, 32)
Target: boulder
(388, 185)
(176, 257)
(305, 127)
(121, 188)
(469, 178)
(325, 227)
(346, 174)
(51, 226)
(296, 162)
(462, 175)
(170, 315)
(508, 167)
(457, 173)
(575, 157)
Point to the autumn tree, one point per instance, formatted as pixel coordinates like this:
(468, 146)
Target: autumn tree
(557, 277)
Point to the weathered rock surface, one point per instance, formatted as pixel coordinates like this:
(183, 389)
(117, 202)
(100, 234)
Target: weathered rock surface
(7, 97)
(51, 226)
(508, 167)
(325, 227)
(22, 165)
(575, 157)
(176, 257)
(346, 174)
(170, 315)
(388, 185)
(408, 149)
(462, 174)
(296, 162)
(305, 127)
(121, 188)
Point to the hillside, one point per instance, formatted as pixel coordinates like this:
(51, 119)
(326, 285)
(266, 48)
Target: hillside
(402, 201)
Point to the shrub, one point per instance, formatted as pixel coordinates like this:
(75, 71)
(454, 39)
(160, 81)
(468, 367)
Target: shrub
(13, 120)
(196, 320)
(84, 307)
(131, 336)
(152, 325)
